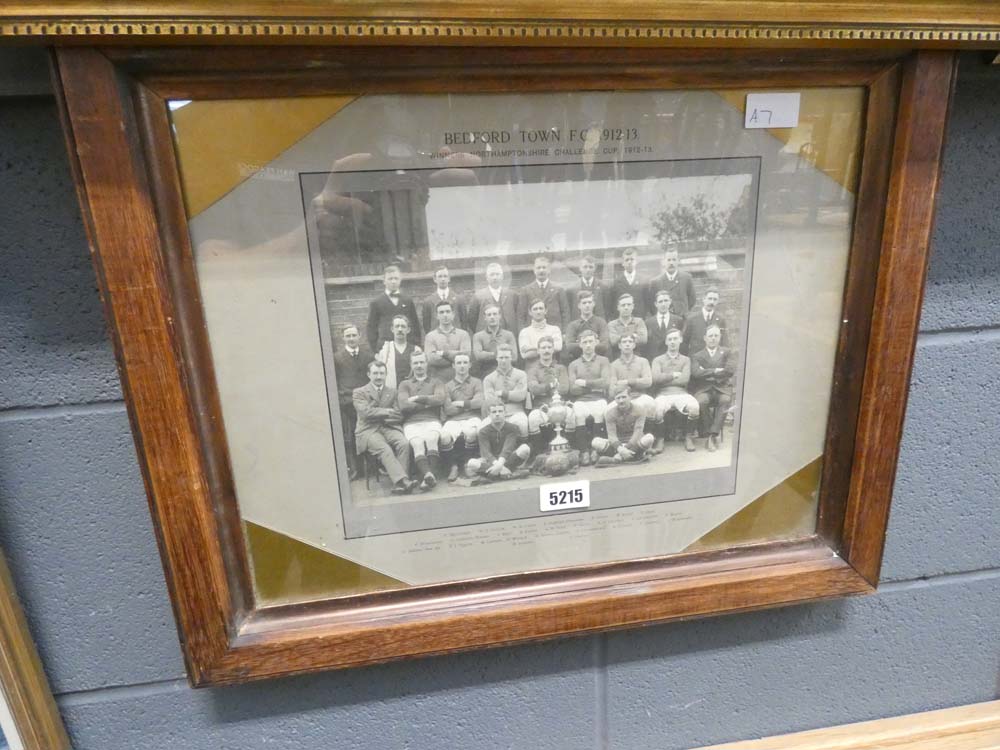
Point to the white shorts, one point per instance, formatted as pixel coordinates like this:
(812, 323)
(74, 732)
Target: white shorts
(644, 403)
(421, 430)
(685, 403)
(584, 409)
(468, 426)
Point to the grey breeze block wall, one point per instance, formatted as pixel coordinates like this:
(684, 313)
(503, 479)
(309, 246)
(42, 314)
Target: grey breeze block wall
(74, 523)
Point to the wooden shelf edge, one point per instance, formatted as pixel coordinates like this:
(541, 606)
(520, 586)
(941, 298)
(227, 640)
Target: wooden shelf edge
(977, 725)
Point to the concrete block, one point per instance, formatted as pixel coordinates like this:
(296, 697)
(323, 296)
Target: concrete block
(75, 527)
(964, 272)
(698, 683)
(540, 697)
(944, 511)
(54, 347)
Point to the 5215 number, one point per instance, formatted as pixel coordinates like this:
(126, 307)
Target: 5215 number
(565, 497)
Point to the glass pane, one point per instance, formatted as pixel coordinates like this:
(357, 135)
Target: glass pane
(448, 239)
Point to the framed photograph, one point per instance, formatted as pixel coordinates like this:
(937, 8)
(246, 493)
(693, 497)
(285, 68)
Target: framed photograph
(435, 348)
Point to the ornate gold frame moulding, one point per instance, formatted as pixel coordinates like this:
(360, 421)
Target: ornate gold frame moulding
(718, 23)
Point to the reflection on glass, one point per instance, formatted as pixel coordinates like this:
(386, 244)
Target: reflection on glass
(381, 273)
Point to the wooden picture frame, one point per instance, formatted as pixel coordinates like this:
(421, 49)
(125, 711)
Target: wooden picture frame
(113, 105)
(29, 716)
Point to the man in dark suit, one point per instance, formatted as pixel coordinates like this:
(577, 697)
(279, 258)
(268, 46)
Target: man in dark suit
(588, 282)
(387, 306)
(627, 282)
(442, 293)
(379, 430)
(697, 322)
(351, 367)
(557, 310)
(495, 293)
(712, 371)
(678, 283)
(658, 324)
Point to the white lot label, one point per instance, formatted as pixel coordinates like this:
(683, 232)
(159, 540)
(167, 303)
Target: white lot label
(564, 495)
(772, 111)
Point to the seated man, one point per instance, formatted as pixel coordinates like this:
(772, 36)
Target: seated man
(546, 378)
(588, 321)
(499, 452)
(589, 378)
(463, 403)
(625, 323)
(420, 400)
(634, 372)
(671, 374)
(378, 431)
(712, 372)
(528, 338)
(508, 385)
(627, 439)
(486, 341)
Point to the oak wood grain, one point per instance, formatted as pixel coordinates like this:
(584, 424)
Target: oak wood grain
(22, 678)
(113, 101)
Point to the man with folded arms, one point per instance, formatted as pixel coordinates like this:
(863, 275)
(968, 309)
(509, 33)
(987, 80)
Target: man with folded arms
(679, 284)
(671, 375)
(658, 324)
(378, 431)
(528, 338)
(486, 341)
(445, 342)
(589, 378)
(509, 386)
(385, 307)
(712, 372)
(627, 438)
(588, 321)
(545, 379)
(420, 400)
(625, 323)
(463, 405)
(501, 451)
(635, 373)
